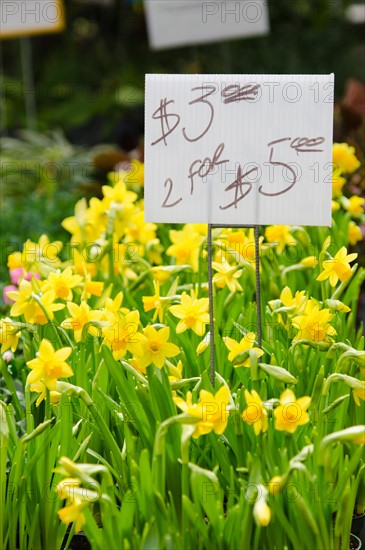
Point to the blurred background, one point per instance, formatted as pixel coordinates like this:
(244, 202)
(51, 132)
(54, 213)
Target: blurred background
(72, 101)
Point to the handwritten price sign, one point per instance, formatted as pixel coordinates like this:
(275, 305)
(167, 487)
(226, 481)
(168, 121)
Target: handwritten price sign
(239, 149)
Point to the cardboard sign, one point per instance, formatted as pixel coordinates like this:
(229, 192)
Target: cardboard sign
(182, 22)
(239, 149)
(28, 17)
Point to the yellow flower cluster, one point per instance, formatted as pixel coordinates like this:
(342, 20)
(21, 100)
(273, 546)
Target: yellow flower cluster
(346, 163)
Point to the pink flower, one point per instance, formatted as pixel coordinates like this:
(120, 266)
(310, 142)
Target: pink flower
(16, 274)
(19, 273)
(29, 275)
(7, 289)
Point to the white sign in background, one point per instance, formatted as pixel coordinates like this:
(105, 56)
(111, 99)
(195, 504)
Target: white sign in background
(174, 23)
(239, 149)
(27, 17)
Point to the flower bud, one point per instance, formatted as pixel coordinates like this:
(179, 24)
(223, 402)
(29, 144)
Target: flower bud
(204, 344)
(279, 373)
(8, 356)
(309, 261)
(262, 512)
(276, 485)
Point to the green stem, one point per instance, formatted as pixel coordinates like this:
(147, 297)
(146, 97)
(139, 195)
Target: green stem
(109, 440)
(41, 305)
(4, 438)
(10, 385)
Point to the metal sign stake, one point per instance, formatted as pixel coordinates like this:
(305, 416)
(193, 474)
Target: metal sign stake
(28, 82)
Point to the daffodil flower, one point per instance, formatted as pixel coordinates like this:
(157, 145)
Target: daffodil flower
(210, 412)
(291, 412)
(235, 348)
(82, 320)
(9, 335)
(48, 366)
(192, 312)
(156, 347)
(62, 283)
(337, 268)
(255, 413)
(227, 275)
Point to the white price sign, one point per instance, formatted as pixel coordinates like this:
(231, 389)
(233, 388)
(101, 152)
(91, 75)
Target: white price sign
(174, 23)
(239, 149)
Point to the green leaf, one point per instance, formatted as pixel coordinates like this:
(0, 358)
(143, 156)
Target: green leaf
(279, 373)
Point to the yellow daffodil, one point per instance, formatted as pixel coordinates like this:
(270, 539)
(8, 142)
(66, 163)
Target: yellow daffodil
(135, 174)
(154, 302)
(355, 205)
(201, 228)
(26, 303)
(81, 266)
(66, 486)
(314, 324)
(41, 388)
(162, 273)
(354, 233)
(359, 393)
(96, 215)
(83, 320)
(114, 306)
(291, 412)
(344, 158)
(92, 288)
(118, 194)
(227, 276)
(48, 366)
(156, 347)
(36, 255)
(62, 283)
(337, 184)
(9, 335)
(334, 206)
(80, 226)
(78, 498)
(337, 268)
(210, 411)
(134, 361)
(235, 244)
(120, 204)
(23, 302)
(232, 244)
(122, 335)
(297, 302)
(140, 231)
(255, 413)
(73, 513)
(192, 312)
(280, 235)
(234, 237)
(246, 343)
(175, 372)
(185, 246)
